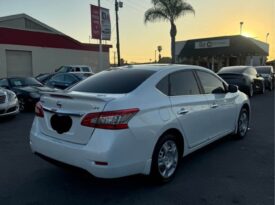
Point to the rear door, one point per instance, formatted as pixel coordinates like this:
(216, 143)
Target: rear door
(222, 108)
(190, 107)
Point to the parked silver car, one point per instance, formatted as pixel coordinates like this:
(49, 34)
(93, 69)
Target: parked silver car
(8, 103)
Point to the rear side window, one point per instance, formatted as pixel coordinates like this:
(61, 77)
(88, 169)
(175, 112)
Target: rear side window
(163, 85)
(85, 69)
(113, 81)
(183, 83)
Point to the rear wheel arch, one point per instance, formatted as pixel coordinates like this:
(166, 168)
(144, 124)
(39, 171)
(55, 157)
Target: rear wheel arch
(179, 137)
(247, 107)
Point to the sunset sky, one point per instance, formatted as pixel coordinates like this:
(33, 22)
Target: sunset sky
(139, 41)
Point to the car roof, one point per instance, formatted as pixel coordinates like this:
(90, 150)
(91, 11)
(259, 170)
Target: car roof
(238, 69)
(160, 67)
(14, 77)
(264, 67)
(77, 65)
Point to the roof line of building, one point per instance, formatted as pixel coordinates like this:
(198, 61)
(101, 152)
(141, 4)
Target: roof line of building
(23, 15)
(41, 39)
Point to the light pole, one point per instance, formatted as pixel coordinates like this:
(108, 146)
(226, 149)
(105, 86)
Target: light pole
(159, 49)
(117, 6)
(100, 39)
(241, 27)
(266, 38)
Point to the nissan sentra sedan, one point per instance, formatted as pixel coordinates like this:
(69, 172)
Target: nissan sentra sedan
(138, 119)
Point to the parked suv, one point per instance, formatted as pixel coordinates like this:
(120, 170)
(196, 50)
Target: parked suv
(75, 68)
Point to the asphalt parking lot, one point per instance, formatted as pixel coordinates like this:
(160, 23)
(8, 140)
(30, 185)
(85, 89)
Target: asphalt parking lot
(226, 172)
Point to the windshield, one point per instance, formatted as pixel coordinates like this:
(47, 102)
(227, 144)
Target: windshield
(113, 81)
(263, 70)
(18, 82)
(63, 69)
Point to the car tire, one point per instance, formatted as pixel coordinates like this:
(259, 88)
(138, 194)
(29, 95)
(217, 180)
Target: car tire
(250, 91)
(270, 86)
(243, 123)
(262, 88)
(22, 104)
(165, 159)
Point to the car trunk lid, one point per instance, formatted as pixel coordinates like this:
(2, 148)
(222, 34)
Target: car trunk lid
(63, 113)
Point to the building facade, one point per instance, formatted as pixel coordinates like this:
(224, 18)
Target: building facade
(28, 47)
(215, 53)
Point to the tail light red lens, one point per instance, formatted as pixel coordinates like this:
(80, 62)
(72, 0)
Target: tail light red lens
(39, 110)
(113, 120)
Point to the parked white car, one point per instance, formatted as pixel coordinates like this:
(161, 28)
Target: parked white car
(8, 103)
(75, 68)
(138, 119)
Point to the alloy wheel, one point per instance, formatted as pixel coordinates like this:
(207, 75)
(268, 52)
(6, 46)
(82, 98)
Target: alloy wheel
(251, 91)
(168, 159)
(21, 104)
(243, 123)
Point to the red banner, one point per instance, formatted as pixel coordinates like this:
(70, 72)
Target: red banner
(95, 21)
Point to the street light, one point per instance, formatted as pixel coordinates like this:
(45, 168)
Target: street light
(118, 4)
(241, 27)
(159, 49)
(267, 35)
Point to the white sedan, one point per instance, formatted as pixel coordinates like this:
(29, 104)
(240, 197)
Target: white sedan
(138, 119)
(8, 103)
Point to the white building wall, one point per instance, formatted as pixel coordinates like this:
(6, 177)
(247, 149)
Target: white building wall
(45, 60)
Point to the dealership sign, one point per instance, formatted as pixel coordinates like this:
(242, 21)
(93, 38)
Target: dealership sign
(212, 44)
(102, 28)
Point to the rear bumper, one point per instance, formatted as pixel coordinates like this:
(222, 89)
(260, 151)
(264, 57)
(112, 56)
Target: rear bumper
(84, 156)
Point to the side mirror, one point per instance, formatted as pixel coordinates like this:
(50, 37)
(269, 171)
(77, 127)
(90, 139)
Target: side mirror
(232, 88)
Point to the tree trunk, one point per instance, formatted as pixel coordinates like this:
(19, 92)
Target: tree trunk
(173, 33)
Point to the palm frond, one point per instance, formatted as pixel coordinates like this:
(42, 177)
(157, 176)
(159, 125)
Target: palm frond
(155, 14)
(181, 9)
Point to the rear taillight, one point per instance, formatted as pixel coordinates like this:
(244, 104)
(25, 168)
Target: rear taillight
(39, 110)
(113, 120)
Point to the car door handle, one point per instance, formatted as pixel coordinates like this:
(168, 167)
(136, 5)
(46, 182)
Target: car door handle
(183, 111)
(214, 105)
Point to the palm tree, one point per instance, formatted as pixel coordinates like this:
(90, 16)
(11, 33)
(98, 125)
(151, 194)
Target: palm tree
(168, 10)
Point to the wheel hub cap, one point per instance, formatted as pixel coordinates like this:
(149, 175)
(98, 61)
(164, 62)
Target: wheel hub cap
(243, 124)
(168, 159)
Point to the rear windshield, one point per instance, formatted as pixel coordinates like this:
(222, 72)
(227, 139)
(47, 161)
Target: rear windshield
(18, 82)
(113, 81)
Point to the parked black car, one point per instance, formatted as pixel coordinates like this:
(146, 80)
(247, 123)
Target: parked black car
(27, 89)
(267, 72)
(245, 77)
(65, 80)
(43, 78)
